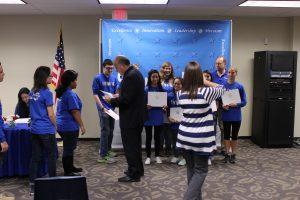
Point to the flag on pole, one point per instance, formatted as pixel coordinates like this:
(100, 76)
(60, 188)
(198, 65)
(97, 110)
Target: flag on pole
(59, 62)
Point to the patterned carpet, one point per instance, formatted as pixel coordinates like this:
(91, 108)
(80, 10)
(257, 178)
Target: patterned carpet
(258, 174)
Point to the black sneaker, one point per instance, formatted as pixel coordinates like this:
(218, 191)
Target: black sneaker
(232, 159)
(226, 159)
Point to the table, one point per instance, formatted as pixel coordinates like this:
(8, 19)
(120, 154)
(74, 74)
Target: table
(17, 158)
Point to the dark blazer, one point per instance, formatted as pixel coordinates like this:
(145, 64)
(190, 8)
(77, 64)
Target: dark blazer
(131, 101)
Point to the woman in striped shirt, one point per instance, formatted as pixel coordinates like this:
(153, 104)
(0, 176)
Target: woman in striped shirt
(196, 131)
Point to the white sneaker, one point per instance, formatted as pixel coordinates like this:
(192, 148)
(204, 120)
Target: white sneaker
(174, 160)
(209, 162)
(182, 162)
(148, 161)
(158, 160)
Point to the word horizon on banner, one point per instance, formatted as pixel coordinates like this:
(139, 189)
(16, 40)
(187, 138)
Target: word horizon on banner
(150, 43)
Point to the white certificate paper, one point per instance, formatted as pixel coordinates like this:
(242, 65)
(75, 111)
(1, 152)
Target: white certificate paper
(176, 113)
(157, 99)
(213, 106)
(231, 96)
(112, 114)
(108, 94)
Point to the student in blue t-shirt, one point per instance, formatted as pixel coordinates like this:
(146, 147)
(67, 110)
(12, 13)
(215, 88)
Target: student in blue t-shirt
(155, 117)
(232, 117)
(43, 124)
(4, 145)
(69, 120)
(108, 83)
(173, 98)
(167, 78)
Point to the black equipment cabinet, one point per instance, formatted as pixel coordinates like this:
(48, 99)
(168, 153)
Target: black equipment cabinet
(274, 98)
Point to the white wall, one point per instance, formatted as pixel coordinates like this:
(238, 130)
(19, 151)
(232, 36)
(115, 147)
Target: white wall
(29, 41)
(296, 47)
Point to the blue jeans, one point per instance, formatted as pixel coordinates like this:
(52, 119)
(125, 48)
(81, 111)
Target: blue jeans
(70, 142)
(107, 125)
(40, 144)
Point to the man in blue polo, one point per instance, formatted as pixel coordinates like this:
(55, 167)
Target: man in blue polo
(220, 76)
(105, 82)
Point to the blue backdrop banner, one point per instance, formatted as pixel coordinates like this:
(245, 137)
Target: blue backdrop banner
(150, 43)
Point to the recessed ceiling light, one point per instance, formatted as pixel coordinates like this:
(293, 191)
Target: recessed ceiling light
(133, 1)
(12, 2)
(276, 4)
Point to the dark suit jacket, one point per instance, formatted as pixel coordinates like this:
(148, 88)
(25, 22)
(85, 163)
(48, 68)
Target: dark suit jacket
(131, 101)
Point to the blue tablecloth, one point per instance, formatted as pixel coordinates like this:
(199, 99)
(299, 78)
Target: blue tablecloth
(17, 159)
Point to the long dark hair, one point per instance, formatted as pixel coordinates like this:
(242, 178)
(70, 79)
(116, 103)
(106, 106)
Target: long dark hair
(22, 106)
(193, 79)
(66, 79)
(153, 71)
(40, 78)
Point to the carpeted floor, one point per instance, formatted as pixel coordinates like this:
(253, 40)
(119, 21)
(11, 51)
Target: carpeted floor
(258, 174)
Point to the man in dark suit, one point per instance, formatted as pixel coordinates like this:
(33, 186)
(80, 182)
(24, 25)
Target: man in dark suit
(132, 107)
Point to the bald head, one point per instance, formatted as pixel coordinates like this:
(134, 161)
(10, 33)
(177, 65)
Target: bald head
(121, 64)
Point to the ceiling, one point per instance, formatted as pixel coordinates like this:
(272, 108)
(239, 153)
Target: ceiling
(184, 8)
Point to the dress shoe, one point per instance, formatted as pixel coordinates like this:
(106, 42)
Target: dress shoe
(127, 179)
(127, 174)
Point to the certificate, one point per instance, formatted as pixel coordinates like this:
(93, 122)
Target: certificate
(157, 99)
(231, 96)
(107, 94)
(213, 106)
(176, 113)
(112, 114)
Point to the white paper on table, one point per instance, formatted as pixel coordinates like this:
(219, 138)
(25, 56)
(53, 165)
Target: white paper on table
(108, 94)
(112, 114)
(213, 106)
(157, 99)
(176, 113)
(231, 96)
(22, 121)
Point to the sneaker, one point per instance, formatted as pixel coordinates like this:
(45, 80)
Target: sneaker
(174, 160)
(226, 158)
(112, 154)
(147, 161)
(209, 161)
(232, 159)
(31, 189)
(158, 160)
(106, 160)
(182, 162)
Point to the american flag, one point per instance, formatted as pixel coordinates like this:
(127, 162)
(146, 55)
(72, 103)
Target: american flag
(59, 62)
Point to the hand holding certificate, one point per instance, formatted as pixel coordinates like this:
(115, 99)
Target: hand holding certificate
(157, 99)
(231, 97)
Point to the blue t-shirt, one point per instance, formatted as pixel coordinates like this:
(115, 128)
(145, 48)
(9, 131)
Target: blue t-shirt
(106, 84)
(155, 114)
(173, 101)
(38, 103)
(234, 113)
(65, 104)
(167, 86)
(221, 80)
(2, 136)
